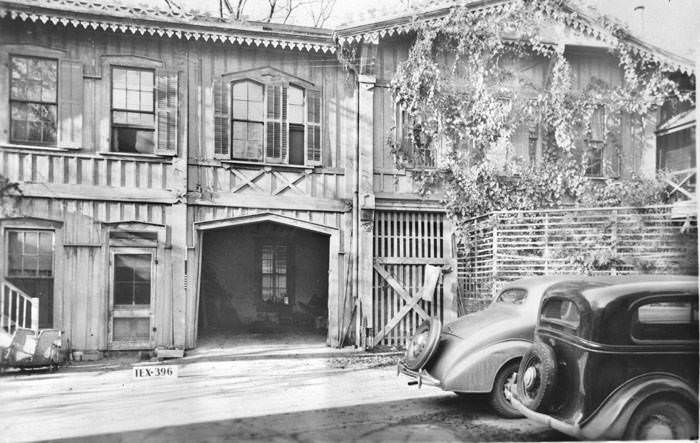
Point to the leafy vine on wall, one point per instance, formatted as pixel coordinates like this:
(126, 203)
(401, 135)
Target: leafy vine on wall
(461, 82)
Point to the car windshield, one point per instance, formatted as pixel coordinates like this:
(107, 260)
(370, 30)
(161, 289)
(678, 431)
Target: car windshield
(512, 296)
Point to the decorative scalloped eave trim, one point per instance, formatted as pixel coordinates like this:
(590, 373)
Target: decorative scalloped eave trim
(169, 32)
(576, 23)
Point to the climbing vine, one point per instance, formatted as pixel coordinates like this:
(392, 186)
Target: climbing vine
(464, 89)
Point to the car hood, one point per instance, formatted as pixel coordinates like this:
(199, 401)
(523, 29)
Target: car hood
(496, 318)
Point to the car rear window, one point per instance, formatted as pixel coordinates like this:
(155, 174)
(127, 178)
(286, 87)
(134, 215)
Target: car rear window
(666, 321)
(513, 296)
(561, 312)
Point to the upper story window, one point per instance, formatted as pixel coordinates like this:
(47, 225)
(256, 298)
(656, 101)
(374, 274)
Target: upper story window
(33, 100)
(133, 114)
(416, 143)
(596, 144)
(275, 122)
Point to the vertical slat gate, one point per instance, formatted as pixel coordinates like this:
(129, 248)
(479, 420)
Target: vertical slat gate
(404, 242)
(14, 305)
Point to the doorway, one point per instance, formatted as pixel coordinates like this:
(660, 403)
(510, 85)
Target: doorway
(264, 279)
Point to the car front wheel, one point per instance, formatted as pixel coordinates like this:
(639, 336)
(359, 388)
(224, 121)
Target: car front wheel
(662, 420)
(498, 399)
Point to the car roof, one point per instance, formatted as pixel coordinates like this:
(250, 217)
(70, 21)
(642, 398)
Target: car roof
(601, 296)
(583, 281)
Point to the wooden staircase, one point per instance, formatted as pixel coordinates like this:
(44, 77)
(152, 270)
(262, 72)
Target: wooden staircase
(17, 309)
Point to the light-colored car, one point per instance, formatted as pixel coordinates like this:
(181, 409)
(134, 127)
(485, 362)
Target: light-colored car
(479, 352)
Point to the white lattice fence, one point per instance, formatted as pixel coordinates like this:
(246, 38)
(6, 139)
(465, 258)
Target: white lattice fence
(507, 245)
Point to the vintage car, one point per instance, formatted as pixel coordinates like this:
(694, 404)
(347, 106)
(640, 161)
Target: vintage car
(614, 360)
(479, 352)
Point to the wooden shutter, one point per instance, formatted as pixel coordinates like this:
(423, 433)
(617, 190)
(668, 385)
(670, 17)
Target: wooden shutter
(313, 127)
(4, 95)
(222, 118)
(276, 127)
(167, 91)
(70, 104)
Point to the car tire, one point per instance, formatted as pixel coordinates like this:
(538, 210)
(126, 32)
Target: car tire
(537, 376)
(497, 398)
(662, 419)
(420, 351)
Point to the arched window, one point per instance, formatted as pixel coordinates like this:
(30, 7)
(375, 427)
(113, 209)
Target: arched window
(247, 120)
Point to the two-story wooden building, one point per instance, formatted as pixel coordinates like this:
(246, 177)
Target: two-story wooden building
(183, 175)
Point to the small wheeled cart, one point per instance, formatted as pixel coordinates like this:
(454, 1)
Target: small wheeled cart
(32, 349)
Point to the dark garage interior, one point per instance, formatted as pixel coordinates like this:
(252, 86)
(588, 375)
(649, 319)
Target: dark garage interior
(263, 278)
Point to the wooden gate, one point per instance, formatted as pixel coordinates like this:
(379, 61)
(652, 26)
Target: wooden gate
(404, 242)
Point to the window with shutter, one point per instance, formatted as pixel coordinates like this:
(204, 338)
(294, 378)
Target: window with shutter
(256, 119)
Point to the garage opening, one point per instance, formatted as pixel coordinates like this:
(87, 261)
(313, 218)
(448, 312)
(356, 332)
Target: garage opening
(265, 279)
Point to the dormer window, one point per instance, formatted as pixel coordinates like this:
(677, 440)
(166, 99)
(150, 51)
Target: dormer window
(268, 119)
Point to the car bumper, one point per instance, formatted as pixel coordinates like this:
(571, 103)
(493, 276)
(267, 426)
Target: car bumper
(561, 426)
(421, 377)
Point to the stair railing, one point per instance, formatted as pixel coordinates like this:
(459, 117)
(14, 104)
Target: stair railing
(17, 309)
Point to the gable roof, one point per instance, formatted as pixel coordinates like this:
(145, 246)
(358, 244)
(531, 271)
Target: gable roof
(112, 15)
(586, 28)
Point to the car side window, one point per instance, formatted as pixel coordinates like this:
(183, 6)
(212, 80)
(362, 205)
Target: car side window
(667, 320)
(512, 296)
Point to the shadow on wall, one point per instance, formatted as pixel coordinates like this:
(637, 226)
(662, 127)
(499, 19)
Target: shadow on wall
(264, 278)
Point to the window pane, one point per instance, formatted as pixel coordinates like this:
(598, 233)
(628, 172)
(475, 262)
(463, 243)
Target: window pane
(131, 329)
(31, 242)
(295, 96)
(133, 79)
(14, 265)
(147, 80)
(45, 266)
(14, 245)
(240, 91)
(133, 140)
(142, 293)
(255, 111)
(132, 100)
(240, 109)
(119, 99)
(240, 130)
(255, 92)
(119, 78)
(295, 113)
(255, 133)
(147, 101)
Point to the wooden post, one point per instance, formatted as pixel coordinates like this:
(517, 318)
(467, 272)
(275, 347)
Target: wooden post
(35, 314)
(365, 200)
(494, 253)
(546, 243)
(449, 279)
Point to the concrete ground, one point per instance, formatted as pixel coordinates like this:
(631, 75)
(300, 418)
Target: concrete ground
(263, 392)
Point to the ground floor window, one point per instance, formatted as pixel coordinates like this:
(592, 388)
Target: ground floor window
(274, 274)
(30, 267)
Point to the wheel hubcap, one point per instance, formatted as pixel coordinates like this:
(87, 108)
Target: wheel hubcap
(530, 377)
(657, 427)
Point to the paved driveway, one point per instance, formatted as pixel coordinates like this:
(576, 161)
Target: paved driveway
(282, 398)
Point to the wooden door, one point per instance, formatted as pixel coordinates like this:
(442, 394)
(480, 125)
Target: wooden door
(131, 298)
(404, 242)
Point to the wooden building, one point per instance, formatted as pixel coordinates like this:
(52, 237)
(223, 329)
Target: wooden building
(183, 175)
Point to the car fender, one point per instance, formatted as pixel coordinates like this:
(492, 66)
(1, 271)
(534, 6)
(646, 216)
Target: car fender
(476, 370)
(610, 420)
